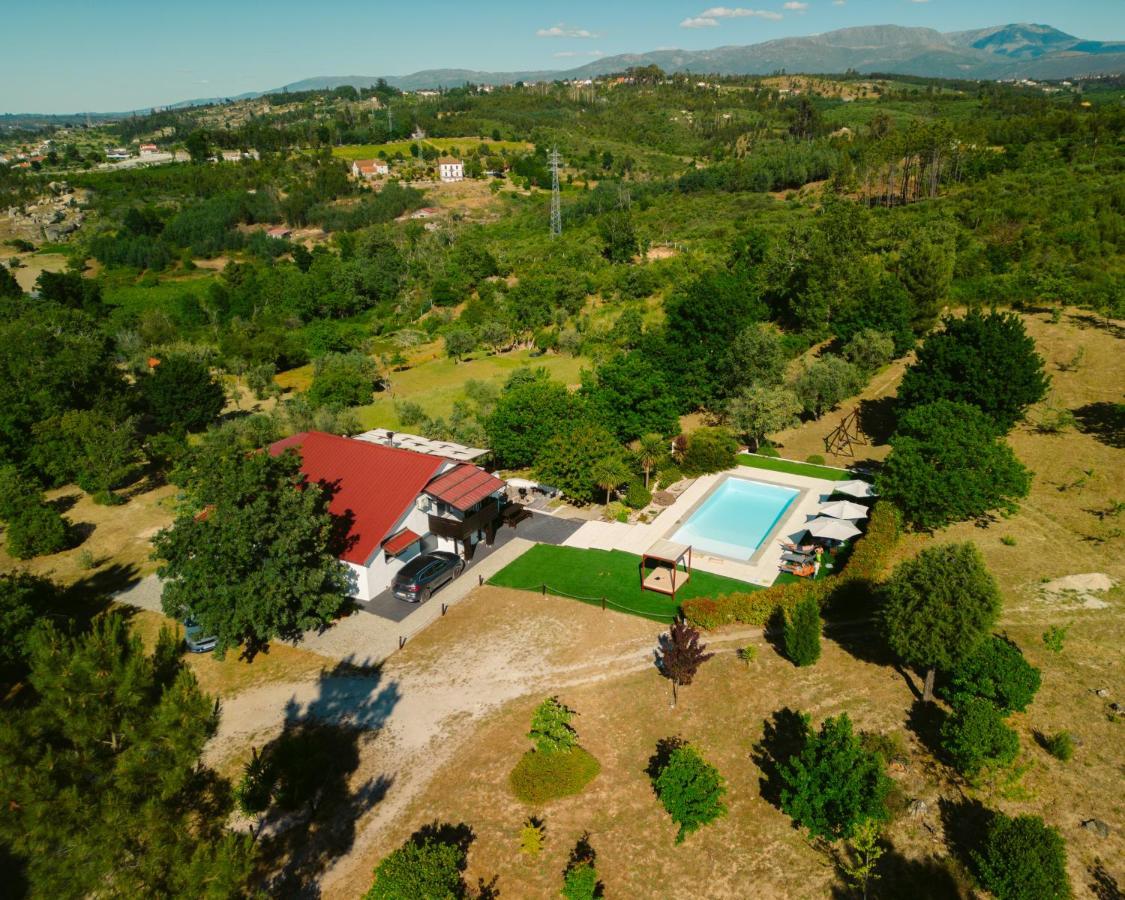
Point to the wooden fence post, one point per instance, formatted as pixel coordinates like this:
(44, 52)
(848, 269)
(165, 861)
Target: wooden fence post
(603, 604)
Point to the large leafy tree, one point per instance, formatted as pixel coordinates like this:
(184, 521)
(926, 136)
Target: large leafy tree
(938, 607)
(104, 793)
(422, 867)
(987, 360)
(1022, 858)
(341, 380)
(759, 411)
(948, 464)
(182, 394)
(703, 320)
(689, 787)
(252, 555)
(530, 411)
(832, 785)
(631, 396)
(52, 360)
(571, 460)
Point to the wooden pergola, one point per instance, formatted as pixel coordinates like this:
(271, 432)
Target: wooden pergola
(666, 577)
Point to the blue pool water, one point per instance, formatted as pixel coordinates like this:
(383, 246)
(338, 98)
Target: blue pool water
(736, 517)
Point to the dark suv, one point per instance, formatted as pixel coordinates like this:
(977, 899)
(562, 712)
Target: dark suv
(417, 581)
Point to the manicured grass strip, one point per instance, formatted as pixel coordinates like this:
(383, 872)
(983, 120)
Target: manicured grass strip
(589, 575)
(793, 468)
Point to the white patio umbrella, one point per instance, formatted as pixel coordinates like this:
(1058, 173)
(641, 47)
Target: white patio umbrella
(844, 509)
(833, 529)
(854, 488)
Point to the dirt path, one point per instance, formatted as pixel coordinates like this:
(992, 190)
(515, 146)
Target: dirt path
(424, 702)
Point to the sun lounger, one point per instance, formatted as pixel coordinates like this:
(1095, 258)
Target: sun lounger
(802, 548)
(799, 558)
(802, 571)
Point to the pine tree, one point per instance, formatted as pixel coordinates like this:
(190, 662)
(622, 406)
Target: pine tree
(104, 791)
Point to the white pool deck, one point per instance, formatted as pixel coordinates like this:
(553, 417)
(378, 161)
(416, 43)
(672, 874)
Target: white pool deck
(637, 538)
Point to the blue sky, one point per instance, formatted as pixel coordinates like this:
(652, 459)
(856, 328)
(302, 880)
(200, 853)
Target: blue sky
(79, 55)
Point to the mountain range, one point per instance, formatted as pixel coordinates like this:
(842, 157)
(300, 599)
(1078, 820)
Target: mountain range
(1003, 51)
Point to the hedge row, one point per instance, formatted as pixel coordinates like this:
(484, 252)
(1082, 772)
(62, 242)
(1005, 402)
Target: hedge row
(861, 573)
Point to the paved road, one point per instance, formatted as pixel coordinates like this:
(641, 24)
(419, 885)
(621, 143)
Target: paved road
(540, 529)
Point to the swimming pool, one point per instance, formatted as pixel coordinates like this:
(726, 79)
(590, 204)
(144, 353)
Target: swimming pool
(736, 517)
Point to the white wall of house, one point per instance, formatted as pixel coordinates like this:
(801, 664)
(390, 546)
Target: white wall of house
(452, 171)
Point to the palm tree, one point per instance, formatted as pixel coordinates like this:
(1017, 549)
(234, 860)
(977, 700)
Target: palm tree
(610, 473)
(650, 449)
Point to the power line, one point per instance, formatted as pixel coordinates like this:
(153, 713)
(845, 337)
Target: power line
(556, 203)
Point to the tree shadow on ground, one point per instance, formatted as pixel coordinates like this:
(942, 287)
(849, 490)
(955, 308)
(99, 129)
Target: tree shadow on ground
(1090, 320)
(665, 747)
(784, 735)
(964, 822)
(877, 419)
(925, 721)
(1103, 886)
(315, 805)
(93, 594)
(1104, 421)
(896, 875)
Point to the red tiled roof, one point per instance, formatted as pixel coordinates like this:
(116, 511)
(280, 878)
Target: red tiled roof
(464, 486)
(376, 484)
(399, 542)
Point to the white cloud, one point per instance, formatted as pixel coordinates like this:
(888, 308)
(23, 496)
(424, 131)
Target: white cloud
(699, 22)
(565, 31)
(738, 12)
(796, 5)
(709, 18)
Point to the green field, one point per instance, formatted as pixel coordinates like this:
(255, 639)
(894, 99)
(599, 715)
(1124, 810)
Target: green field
(370, 151)
(794, 468)
(437, 383)
(590, 575)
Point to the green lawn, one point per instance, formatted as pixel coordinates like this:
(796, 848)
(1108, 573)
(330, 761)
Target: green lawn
(793, 468)
(589, 575)
(370, 151)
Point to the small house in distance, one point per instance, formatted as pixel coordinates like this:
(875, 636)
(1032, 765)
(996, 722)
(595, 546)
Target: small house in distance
(280, 232)
(370, 168)
(450, 169)
(149, 150)
(398, 503)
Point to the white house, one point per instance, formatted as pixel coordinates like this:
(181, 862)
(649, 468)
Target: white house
(398, 503)
(370, 168)
(450, 169)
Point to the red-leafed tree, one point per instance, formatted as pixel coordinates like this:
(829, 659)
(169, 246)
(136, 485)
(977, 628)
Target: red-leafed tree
(680, 655)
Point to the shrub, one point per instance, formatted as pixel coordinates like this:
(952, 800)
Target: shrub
(420, 868)
(668, 475)
(690, 788)
(975, 736)
(581, 882)
(1054, 637)
(833, 784)
(36, 529)
(996, 671)
(1021, 858)
(709, 450)
(747, 653)
(532, 837)
(802, 633)
(541, 777)
(1060, 745)
(637, 496)
(815, 459)
(551, 730)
